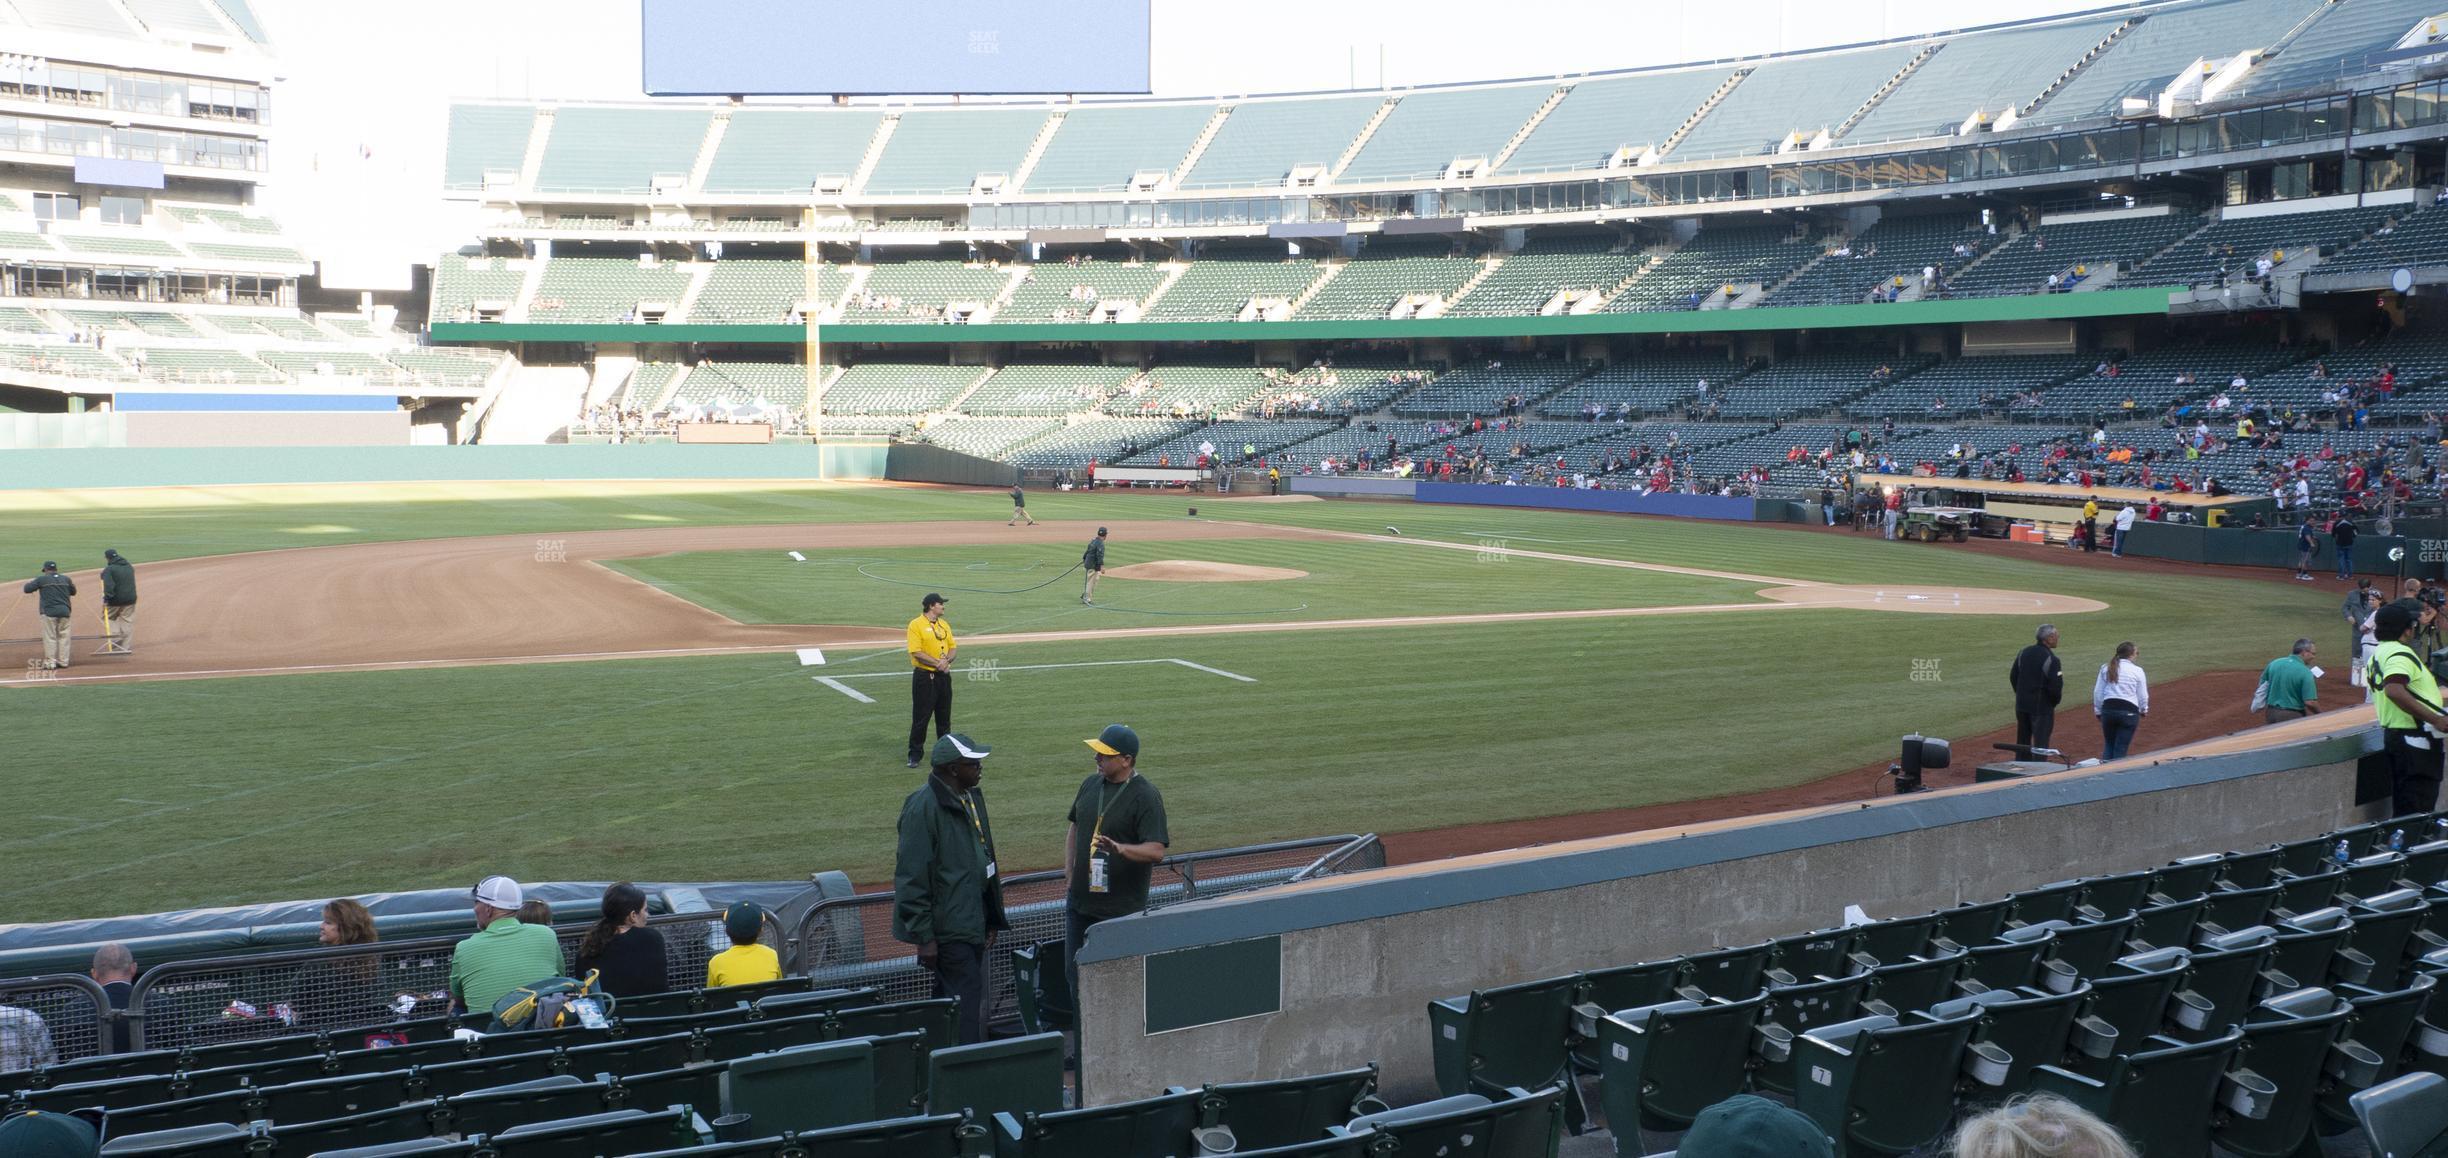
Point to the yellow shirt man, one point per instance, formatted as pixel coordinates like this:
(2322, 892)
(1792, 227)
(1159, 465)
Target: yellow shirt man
(743, 965)
(930, 637)
(2090, 510)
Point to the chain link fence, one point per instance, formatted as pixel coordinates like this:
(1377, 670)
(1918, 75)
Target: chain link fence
(847, 942)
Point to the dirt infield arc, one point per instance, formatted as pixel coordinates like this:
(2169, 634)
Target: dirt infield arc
(523, 599)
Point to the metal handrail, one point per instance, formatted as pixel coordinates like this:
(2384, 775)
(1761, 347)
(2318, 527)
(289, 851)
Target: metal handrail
(848, 940)
(67, 1032)
(1368, 848)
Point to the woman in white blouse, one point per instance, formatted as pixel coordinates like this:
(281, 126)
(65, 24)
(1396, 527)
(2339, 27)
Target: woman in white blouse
(2120, 698)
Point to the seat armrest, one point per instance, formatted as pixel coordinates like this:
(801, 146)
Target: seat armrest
(1009, 1134)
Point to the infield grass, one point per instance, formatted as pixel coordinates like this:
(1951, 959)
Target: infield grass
(141, 797)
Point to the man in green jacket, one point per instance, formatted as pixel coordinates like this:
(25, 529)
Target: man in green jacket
(947, 896)
(53, 607)
(1093, 562)
(118, 604)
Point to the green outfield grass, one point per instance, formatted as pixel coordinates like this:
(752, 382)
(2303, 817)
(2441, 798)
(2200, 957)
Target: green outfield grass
(139, 797)
(1030, 582)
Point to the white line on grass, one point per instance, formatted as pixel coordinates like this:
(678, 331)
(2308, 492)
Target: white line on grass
(844, 688)
(837, 685)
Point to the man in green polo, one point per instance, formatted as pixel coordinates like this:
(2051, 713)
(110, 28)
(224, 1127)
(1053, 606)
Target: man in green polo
(504, 954)
(1117, 835)
(2292, 693)
(947, 898)
(2407, 699)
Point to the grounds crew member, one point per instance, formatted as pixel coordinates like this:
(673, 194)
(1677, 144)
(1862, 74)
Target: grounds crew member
(1019, 507)
(56, 589)
(1093, 562)
(1117, 835)
(931, 648)
(947, 899)
(2408, 701)
(118, 604)
(2038, 680)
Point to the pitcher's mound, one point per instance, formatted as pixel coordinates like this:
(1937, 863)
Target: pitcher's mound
(1194, 571)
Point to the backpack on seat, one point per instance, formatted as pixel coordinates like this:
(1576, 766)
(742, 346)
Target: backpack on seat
(553, 1003)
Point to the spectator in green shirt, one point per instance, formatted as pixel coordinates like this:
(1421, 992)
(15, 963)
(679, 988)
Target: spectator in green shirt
(2292, 692)
(504, 954)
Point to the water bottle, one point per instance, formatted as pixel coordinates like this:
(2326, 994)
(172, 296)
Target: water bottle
(2397, 841)
(2345, 855)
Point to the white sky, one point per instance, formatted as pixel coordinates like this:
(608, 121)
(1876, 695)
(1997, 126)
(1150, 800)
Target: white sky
(359, 121)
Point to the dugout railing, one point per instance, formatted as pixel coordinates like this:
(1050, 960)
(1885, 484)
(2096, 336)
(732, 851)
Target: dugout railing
(848, 942)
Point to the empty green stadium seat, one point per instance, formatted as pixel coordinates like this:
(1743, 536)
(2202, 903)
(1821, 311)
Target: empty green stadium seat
(424, 1148)
(1015, 1076)
(1348, 1146)
(235, 1106)
(1520, 1124)
(698, 1084)
(1793, 1010)
(764, 1035)
(1494, 1039)
(1899, 939)
(2225, 911)
(402, 1123)
(809, 1087)
(2131, 998)
(451, 1079)
(1732, 974)
(2378, 1042)
(505, 1107)
(220, 1138)
(1661, 1065)
(2168, 926)
(1919, 984)
(1158, 1125)
(2030, 1028)
(1288, 1111)
(1039, 986)
(1872, 1083)
(937, 1017)
(2406, 1116)
(2159, 1096)
(2313, 950)
(590, 1135)
(941, 1136)
(2287, 1044)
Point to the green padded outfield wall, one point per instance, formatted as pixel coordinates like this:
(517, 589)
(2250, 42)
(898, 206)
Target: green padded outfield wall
(2100, 304)
(243, 465)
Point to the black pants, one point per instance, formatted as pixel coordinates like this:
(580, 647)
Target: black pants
(2033, 727)
(930, 694)
(2414, 773)
(1075, 932)
(960, 971)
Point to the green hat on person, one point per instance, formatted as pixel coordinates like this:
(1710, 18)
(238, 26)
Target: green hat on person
(744, 921)
(954, 747)
(35, 1134)
(1748, 1126)
(1116, 740)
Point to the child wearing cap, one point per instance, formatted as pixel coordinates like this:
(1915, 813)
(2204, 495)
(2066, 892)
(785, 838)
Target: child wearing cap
(745, 962)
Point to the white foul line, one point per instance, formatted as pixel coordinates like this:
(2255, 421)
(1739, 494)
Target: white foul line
(835, 682)
(844, 689)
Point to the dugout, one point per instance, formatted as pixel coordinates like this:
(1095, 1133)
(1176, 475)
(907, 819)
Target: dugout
(2056, 508)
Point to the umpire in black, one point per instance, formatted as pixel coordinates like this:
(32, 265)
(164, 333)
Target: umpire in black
(2038, 680)
(947, 898)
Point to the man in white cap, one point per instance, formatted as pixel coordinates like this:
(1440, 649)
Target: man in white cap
(504, 954)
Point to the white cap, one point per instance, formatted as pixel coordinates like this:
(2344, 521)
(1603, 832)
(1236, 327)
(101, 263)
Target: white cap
(499, 892)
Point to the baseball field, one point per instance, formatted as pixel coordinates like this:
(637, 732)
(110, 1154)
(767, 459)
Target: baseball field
(342, 689)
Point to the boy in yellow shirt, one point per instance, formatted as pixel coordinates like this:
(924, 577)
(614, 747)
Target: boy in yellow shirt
(745, 961)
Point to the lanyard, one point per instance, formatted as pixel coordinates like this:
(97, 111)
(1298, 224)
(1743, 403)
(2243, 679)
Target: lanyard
(969, 806)
(1104, 802)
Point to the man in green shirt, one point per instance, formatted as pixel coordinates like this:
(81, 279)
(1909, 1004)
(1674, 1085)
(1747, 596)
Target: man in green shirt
(1093, 562)
(504, 954)
(2292, 693)
(1117, 835)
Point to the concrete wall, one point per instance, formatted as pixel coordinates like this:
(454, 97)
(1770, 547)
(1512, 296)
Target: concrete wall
(233, 466)
(162, 429)
(1362, 955)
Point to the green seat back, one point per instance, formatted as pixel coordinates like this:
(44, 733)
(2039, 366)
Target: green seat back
(496, 1110)
(1888, 1091)
(592, 1135)
(1014, 1076)
(938, 1018)
(754, 1037)
(1158, 1125)
(2288, 1053)
(1662, 1065)
(631, 1056)
(810, 1087)
(2159, 1096)
(2405, 1116)
(1289, 1110)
